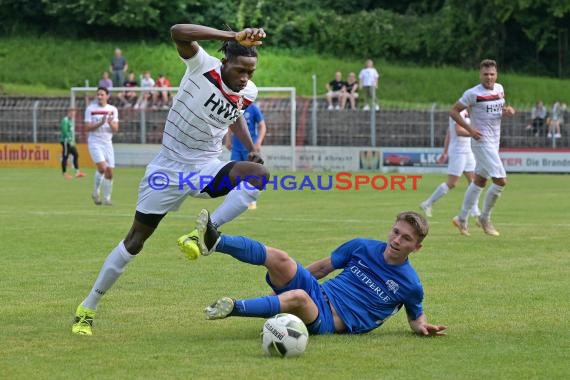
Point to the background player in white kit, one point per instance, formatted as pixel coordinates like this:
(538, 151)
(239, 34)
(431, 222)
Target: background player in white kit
(457, 150)
(486, 103)
(101, 122)
(211, 98)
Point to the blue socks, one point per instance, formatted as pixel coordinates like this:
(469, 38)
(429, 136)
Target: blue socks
(243, 249)
(265, 307)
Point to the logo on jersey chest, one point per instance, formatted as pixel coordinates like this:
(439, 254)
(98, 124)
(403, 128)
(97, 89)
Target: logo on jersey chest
(221, 108)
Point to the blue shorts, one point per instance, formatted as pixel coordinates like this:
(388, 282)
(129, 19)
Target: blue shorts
(303, 279)
(239, 155)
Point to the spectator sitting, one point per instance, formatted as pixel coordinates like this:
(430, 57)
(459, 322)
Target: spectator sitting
(538, 116)
(146, 82)
(351, 93)
(336, 89)
(129, 98)
(161, 98)
(105, 81)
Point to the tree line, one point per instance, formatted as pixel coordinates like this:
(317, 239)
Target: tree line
(529, 37)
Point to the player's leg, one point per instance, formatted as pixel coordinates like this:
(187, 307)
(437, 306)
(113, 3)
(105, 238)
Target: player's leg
(142, 228)
(97, 153)
(107, 182)
(64, 157)
(246, 180)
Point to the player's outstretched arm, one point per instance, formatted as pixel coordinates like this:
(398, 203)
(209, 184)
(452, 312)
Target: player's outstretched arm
(186, 35)
(321, 268)
(421, 327)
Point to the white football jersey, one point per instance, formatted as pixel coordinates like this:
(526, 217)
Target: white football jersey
(202, 111)
(94, 113)
(485, 111)
(459, 144)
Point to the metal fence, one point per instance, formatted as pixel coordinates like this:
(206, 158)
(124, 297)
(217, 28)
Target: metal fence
(25, 119)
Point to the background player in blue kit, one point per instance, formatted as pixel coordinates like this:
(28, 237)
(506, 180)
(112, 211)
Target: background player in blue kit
(375, 281)
(257, 130)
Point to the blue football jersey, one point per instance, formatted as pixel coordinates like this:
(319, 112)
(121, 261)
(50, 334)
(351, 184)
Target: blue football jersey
(253, 116)
(368, 291)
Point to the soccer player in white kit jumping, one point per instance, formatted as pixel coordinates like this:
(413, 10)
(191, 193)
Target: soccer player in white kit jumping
(457, 151)
(486, 103)
(101, 122)
(212, 96)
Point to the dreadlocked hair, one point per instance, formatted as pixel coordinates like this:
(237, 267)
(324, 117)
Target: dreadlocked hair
(233, 49)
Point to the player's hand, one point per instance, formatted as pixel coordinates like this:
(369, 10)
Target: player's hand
(475, 134)
(432, 330)
(508, 111)
(255, 157)
(250, 37)
(442, 159)
(109, 118)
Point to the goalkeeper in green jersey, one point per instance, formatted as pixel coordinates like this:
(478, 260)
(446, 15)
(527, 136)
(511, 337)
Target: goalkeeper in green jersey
(67, 140)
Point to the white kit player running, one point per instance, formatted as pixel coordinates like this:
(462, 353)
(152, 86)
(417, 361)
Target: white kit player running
(101, 122)
(486, 103)
(457, 150)
(212, 96)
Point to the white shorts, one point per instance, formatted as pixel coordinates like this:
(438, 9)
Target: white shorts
(489, 163)
(167, 183)
(102, 152)
(460, 163)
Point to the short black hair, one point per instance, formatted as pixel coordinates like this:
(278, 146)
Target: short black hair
(104, 89)
(234, 49)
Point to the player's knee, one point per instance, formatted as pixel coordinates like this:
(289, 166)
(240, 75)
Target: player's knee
(108, 172)
(258, 177)
(134, 243)
(298, 298)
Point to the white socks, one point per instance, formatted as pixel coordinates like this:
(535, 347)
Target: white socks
(97, 182)
(107, 189)
(470, 199)
(439, 192)
(111, 270)
(234, 204)
(491, 197)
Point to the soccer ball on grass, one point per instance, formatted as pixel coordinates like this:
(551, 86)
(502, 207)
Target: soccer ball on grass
(284, 335)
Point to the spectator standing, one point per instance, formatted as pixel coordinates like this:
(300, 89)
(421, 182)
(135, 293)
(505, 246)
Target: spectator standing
(257, 130)
(67, 140)
(335, 90)
(118, 67)
(368, 78)
(105, 81)
(351, 94)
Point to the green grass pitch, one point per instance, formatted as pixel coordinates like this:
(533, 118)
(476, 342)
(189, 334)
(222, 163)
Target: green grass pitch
(505, 299)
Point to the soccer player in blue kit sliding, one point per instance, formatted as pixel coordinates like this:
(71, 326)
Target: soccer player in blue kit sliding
(375, 281)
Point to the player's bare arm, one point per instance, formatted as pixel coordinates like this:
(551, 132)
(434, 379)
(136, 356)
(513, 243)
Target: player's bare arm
(114, 124)
(239, 128)
(186, 35)
(321, 268)
(461, 131)
(421, 327)
(443, 156)
(455, 114)
(508, 111)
